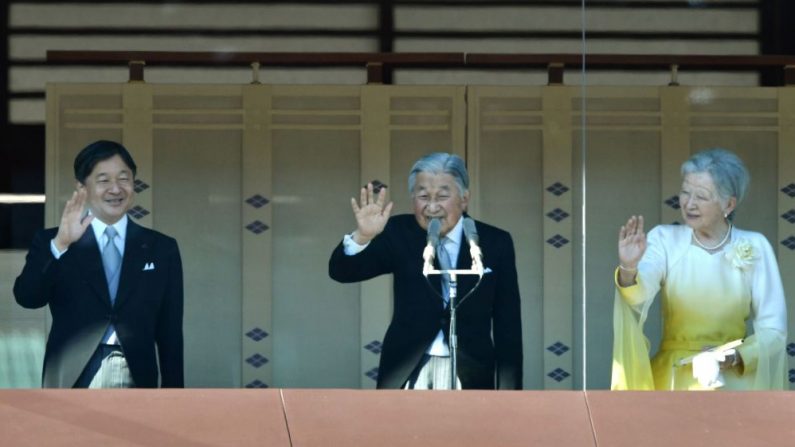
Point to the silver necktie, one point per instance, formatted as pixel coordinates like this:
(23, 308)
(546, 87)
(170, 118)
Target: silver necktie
(111, 260)
(446, 263)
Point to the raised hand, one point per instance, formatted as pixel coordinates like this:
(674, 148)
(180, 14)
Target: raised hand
(73, 224)
(371, 214)
(631, 243)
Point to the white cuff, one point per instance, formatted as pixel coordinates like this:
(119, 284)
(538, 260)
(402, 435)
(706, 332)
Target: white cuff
(55, 251)
(351, 246)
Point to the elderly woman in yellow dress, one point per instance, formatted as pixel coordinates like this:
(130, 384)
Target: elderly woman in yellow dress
(712, 277)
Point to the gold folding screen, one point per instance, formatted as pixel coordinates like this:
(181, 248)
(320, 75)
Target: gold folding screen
(254, 182)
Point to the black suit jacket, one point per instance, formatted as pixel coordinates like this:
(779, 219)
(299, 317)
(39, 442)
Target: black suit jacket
(147, 312)
(484, 362)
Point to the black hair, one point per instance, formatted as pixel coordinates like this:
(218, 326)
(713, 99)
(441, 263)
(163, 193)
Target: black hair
(100, 151)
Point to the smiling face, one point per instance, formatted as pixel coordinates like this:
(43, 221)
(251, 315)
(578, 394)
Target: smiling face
(109, 189)
(437, 195)
(703, 210)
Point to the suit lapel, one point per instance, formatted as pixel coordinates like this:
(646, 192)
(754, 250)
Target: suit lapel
(136, 249)
(90, 260)
(465, 282)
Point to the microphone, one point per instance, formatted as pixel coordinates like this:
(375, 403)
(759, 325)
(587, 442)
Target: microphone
(434, 228)
(471, 233)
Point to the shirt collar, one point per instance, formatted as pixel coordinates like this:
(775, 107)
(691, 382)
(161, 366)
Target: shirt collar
(120, 227)
(456, 233)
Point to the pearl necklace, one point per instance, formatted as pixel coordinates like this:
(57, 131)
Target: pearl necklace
(725, 238)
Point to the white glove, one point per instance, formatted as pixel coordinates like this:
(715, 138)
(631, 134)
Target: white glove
(706, 368)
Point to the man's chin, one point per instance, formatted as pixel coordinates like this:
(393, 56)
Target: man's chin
(113, 215)
(424, 222)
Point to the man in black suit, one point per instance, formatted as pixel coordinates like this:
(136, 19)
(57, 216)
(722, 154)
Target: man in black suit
(114, 288)
(415, 353)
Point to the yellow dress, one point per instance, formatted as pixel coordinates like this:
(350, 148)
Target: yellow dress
(706, 300)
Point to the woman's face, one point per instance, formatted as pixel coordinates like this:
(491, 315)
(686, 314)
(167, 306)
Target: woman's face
(702, 208)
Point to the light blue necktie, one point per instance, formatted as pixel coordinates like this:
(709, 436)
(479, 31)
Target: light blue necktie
(111, 260)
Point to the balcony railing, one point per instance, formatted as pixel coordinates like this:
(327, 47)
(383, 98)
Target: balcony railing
(377, 63)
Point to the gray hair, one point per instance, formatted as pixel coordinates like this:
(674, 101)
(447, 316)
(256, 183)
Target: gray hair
(441, 163)
(729, 173)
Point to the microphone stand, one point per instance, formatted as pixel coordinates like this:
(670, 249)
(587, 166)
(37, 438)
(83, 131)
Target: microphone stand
(477, 269)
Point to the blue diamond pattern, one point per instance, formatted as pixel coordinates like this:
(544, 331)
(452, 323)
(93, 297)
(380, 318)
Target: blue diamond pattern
(557, 241)
(374, 347)
(558, 348)
(558, 188)
(257, 384)
(673, 202)
(792, 376)
(789, 190)
(789, 242)
(256, 334)
(373, 373)
(138, 212)
(558, 375)
(557, 214)
(140, 185)
(257, 360)
(257, 201)
(789, 216)
(256, 227)
(791, 349)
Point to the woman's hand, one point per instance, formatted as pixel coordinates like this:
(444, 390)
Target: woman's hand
(631, 246)
(732, 360)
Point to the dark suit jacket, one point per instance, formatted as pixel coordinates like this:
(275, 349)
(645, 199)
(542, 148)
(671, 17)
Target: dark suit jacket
(147, 312)
(483, 362)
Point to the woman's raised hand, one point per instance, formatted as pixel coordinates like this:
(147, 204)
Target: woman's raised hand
(631, 243)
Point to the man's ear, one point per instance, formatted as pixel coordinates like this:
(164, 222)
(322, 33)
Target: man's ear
(79, 185)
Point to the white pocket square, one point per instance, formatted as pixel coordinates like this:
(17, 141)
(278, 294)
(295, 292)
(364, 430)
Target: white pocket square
(487, 270)
(149, 266)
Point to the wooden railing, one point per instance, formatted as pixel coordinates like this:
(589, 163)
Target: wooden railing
(376, 63)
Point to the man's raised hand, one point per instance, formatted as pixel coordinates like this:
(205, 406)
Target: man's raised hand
(371, 214)
(73, 223)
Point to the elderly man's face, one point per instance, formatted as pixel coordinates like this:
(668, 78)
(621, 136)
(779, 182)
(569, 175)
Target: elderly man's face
(438, 196)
